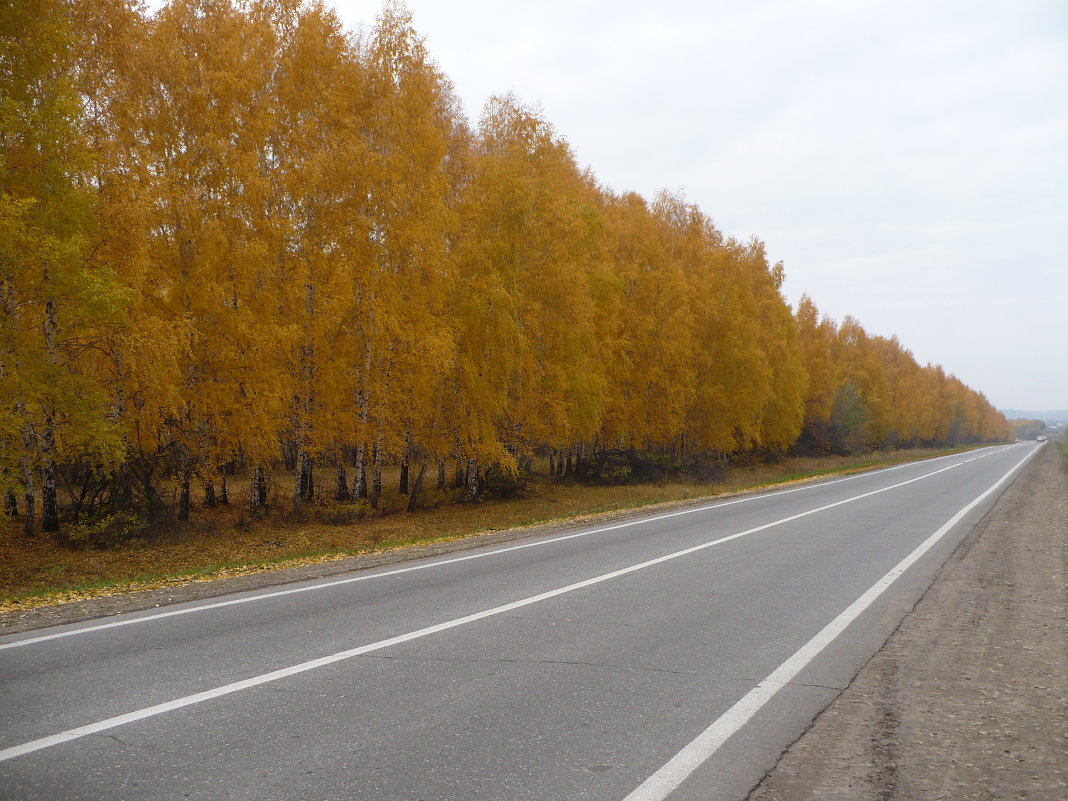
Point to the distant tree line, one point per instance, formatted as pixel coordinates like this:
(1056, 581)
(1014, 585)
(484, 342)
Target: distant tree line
(235, 237)
(1028, 429)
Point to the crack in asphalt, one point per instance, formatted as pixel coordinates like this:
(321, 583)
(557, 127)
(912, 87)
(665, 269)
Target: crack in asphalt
(832, 687)
(142, 746)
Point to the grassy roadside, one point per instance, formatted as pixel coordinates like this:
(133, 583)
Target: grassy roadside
(40, 573)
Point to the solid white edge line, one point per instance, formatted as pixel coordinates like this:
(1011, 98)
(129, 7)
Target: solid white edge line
(226, 689)
(441, 562)
(662, 783)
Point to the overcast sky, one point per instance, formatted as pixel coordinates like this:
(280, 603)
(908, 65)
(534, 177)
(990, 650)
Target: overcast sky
(906, 160)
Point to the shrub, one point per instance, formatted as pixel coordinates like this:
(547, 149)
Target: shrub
(500, 482)
(608, 468)
(106, 531)
(709, 470)
(617, 467)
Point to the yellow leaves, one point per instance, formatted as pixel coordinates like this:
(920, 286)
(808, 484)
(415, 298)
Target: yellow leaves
(868, 391)
(291, 237)
(529, 219)
(816, 337)
(56, 310)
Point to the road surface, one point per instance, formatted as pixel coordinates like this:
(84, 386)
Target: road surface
(968, 699)
(669, 656)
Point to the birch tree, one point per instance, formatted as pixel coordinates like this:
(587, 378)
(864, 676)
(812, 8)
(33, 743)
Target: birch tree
(54, 302)
(648, 363)
(412, 117)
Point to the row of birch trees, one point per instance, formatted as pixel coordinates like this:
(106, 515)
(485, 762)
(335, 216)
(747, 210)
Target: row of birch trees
(234, 236)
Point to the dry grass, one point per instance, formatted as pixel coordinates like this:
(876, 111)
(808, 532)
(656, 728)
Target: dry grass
(218, 542)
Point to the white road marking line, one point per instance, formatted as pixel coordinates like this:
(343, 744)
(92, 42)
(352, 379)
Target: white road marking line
(662, 783)
(244, 684)
(438, 562)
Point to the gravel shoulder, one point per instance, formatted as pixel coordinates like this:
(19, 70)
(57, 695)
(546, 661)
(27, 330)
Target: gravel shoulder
(968, 699)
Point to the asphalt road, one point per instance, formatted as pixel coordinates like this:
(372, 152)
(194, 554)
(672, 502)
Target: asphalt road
(673, 655)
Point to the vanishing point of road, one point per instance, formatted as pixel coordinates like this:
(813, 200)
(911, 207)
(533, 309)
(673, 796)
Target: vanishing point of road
(666, 656)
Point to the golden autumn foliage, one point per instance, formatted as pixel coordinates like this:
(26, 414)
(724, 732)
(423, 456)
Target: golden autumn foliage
(235, 236)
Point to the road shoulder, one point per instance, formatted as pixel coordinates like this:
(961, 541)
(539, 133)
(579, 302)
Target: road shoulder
(969, 697)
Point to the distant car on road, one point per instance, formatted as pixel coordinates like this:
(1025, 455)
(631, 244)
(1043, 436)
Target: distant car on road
(1040, 438)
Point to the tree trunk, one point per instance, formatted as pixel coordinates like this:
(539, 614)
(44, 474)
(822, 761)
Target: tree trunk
(376, 482)
(570, 467)
(209, 494)
(552, 462)
(29, 526)
(376, 477)
(49, 507)
(307, 478)
(460, 478)
(359, 481)
(416, 487)
(224, 496)
(298, 480)
(304, 483)
(261, 484)
(363, 411)
(403, 485)
(472, 480)
(258, 490)
(290, 455)
(153, 501)
(87, 496)
(441, 474)
(341, 494)
(11, 502)
(183, 497)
